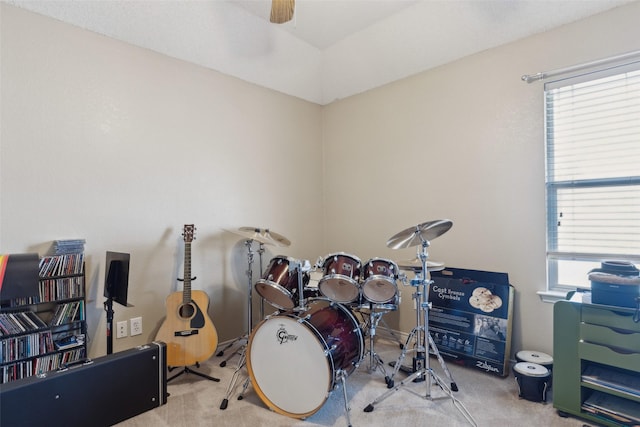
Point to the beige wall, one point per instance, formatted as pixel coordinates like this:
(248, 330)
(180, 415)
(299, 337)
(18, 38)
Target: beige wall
(122, 146)
(465, 142)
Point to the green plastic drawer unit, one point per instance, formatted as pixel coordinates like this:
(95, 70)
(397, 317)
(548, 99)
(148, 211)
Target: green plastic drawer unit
(612, 357)
(622, 319)
(611, 337)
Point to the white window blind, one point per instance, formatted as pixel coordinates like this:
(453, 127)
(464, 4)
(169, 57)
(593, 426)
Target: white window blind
(592, 126)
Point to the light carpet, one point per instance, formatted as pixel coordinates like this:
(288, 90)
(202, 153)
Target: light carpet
(490, 400)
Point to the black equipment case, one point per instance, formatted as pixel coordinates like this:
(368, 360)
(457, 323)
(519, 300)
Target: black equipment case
(99, 392)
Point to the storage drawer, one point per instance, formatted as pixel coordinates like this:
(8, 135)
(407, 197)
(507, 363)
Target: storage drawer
(608, 356)
(622, 319)
(611, 337)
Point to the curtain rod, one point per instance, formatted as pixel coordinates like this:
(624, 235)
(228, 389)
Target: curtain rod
(530, 78)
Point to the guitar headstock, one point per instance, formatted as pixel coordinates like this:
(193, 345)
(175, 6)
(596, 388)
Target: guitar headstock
(189, 233)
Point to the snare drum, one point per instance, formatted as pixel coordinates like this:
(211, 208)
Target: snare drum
(294, 359)
(279, 283)
(379, 280)
(342, 274)
(533, 381)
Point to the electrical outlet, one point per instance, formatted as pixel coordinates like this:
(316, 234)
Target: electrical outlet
(136, 326)
(121, 329)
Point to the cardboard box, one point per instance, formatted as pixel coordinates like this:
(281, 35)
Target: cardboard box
(471, 318)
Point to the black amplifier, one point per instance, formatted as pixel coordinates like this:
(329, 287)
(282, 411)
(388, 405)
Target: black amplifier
(99, 392)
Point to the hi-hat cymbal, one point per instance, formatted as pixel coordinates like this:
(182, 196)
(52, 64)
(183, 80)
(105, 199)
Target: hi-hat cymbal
(415, 235)
(262, 235)
(416, 265)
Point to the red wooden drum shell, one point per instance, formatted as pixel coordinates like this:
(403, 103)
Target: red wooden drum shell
(341, 280)
(279, 283)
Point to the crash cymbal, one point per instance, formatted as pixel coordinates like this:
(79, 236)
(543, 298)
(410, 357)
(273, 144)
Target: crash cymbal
(279, 239)
(416, 265)
(415, 235)
(262, 235)
(251, 233)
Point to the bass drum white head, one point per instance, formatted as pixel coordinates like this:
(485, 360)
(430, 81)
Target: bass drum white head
(288, 367)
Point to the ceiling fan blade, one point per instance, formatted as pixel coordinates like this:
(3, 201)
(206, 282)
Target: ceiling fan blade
(282, 11)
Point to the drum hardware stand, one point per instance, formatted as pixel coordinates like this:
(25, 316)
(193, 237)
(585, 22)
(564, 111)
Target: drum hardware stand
(375, 361)
(260, 252)
(393, 334)
(301, 266)
(422, 370)
(341, 374)
(244, 338)
(403, 278)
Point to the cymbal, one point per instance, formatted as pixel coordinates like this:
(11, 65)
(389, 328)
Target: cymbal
(279, 239)
(416, 265)
(415, 235)
(261, 235)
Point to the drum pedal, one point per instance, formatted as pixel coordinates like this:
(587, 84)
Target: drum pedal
(408, 370)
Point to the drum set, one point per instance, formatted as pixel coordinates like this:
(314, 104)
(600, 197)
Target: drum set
(314, 328)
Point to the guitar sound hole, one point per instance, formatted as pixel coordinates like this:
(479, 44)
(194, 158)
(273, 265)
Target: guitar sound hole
(187, 311)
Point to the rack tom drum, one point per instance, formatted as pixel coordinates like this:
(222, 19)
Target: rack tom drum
(279, 283)
(379, 280)
(342, 274)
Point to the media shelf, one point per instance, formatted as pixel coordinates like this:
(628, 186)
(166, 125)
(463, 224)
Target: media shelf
(596, 371)
(47, 331)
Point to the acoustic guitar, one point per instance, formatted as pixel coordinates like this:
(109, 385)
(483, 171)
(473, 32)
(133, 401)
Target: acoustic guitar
(187, 330)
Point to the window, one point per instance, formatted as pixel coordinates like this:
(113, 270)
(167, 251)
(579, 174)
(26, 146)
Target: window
(592, 126)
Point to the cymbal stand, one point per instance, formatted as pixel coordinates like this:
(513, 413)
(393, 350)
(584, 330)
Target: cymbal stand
(260, 252)
(244, 340)
(421, 367)
(243, 360)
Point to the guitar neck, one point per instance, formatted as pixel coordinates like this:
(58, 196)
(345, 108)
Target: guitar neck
(186, 292)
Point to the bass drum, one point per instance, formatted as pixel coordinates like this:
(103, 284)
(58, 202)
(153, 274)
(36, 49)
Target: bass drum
(293, 359)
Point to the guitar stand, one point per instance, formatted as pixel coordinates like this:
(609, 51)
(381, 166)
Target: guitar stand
(187, 370)
(421, 368)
